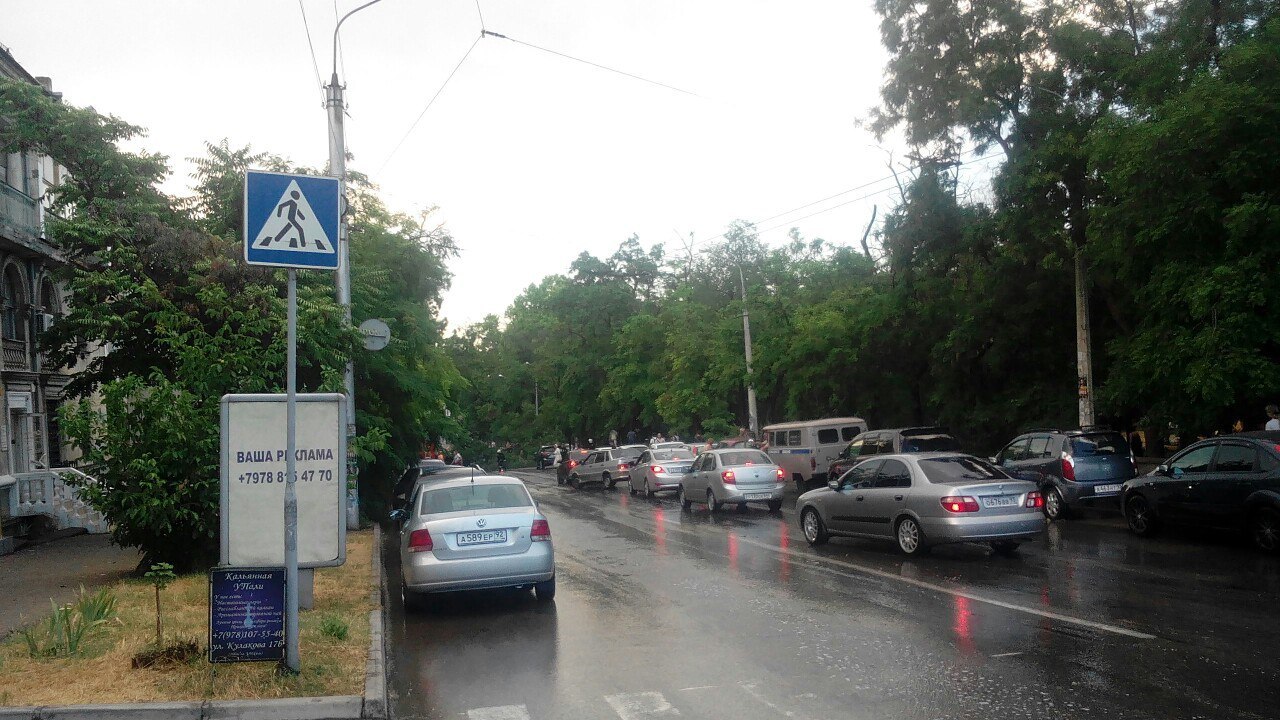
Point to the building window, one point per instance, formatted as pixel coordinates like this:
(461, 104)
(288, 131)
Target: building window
(13, 325)
(49, 309)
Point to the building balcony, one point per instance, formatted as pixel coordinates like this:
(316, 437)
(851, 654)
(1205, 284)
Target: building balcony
(15, 354)
(18, 217)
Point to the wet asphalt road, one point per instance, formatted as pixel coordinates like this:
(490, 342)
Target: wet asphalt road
(662, 613)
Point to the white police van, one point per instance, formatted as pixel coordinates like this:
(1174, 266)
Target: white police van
(805, 448)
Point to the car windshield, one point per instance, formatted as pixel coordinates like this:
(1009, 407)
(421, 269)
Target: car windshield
(672, 455)
(474, 497)
(628, 453)
(929, 443)
(960, 469)
(745, 457)
(1101, 443)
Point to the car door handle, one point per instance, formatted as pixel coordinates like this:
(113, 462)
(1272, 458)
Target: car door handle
(858, 498)
(897, 497)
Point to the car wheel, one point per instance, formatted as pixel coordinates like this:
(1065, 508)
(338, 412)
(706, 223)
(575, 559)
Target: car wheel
(631, 488)
(573, 481)
(413, 602)
(814, 531)
(1055, 508)
(775, 505)
(1141, 518)
(648, 490)
(546, 591)
(910, 537)
(800, 484)
(742, 507)
(713, 504)
(608, 481)
(685, 502)
(1264, 530)
(1005, 547)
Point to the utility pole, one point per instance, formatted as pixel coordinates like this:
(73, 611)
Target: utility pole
(753, 421)
(335, 107)
(1084, 343)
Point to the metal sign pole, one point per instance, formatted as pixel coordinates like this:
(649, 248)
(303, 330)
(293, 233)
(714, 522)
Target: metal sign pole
(291, 658)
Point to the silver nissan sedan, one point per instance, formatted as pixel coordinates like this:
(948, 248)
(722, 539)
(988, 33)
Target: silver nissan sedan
(474, 533)
(925, 499)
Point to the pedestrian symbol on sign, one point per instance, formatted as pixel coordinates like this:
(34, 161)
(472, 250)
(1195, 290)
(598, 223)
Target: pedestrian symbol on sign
(292, 224)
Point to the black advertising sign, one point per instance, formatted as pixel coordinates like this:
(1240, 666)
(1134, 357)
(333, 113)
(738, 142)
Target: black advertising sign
(246, 614)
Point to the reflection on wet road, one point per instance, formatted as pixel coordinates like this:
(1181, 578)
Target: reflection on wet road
(664, 613)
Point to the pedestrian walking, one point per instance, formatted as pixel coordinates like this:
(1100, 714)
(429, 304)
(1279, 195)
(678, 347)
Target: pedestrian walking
(613, 438)
(457, 458)
(1273, 413)
(502, 461)
(562, 469)
(631, 436)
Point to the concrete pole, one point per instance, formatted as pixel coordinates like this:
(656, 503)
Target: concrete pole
(753, 419)
(335, 106)
(291, 658)
(1084, 343)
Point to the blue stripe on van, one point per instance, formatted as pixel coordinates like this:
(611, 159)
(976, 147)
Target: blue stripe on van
(791, 451)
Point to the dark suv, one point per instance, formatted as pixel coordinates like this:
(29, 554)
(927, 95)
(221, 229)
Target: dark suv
(1072, 467)
(1227, 482)
(884, 442)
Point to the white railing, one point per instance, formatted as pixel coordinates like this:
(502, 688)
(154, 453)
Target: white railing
(45, 492)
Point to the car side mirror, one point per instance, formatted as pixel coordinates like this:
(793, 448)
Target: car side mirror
(1162, 470)
(398, 515)
(833, 484)
(993, 460)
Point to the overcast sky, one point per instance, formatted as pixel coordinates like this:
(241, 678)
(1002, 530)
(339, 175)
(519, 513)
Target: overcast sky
(530, 157)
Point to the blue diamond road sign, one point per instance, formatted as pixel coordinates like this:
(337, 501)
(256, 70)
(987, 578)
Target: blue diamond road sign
(291, 220)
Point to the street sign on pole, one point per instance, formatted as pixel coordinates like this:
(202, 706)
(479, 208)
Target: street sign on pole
(246, 614)
(376, 334)
(291, 221)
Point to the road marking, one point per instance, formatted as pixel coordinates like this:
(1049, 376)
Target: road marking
(1008, 654)
(699, 687)
(499, 712)
(750, 689)
(636, 706)
(1092, 624)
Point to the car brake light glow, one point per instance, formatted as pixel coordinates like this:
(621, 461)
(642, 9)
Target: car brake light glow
(1035, 499)
(658, 469)
(420, 541)
(959, 504)
(573, 463)
(540, 531)
(623, 466)
(729, 478)
(782, 475)
(1068, 467)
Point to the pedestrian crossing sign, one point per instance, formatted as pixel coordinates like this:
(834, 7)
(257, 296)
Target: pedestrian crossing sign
(291, 220)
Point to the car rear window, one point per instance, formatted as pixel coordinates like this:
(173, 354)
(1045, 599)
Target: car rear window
(1101, 443)
(628, 453)
(960, 469)
(672, 455)
(744, 457)
(474, 497)
(929, 443)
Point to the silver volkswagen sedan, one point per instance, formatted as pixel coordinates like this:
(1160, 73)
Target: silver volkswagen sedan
(659, 469)
(732, 475)
(926, 499)
(474, 533)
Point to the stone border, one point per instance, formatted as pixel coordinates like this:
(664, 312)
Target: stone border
(371, 706)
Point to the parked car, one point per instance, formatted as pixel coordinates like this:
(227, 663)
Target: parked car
(425, 470)
(736, 476)
(1230, 482)
(546, 456)
(1072, 467)
(922, 500)
(886, 442)
(605, 465)
(659, 469)
(805, 449)
(474, 533)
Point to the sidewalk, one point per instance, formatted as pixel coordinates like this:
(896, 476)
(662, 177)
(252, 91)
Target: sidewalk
(57, 569)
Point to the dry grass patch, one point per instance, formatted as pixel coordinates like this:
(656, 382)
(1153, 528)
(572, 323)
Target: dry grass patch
(104, 673)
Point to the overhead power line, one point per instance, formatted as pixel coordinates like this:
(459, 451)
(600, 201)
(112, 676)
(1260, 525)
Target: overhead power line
(592, 64)
(430, 102)
(314, 64)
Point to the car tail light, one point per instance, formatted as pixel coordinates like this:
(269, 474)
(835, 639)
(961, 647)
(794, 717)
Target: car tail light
(959, 504)
(623, 466)
(1068, 467)
(658, 469)
(1035, 499)
(573, 463)
(813, 463)
(540, 531)
(782, 475)
(729, 478)
(420, 541)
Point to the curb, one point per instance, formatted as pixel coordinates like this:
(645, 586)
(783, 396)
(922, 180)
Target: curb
(371, 706)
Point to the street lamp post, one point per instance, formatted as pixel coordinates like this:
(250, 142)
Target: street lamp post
(335, 107)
